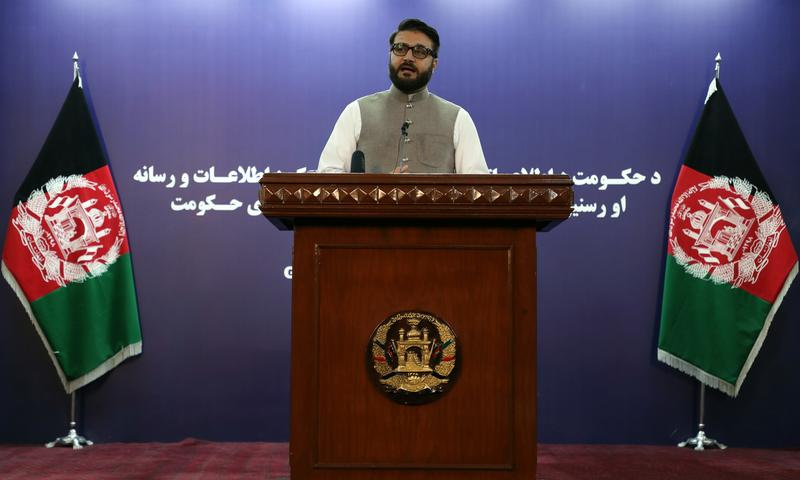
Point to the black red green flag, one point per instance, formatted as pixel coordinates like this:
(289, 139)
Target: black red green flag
(66, 252)
(730, 259)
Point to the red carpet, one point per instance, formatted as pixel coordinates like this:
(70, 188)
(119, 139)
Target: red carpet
(201, 460)
(189, 459)
(640, 462)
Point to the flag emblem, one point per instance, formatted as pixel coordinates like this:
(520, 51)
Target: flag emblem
(72, 227)
(724, 230)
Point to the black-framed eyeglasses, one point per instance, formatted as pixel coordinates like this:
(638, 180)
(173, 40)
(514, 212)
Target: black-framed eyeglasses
(420, 52)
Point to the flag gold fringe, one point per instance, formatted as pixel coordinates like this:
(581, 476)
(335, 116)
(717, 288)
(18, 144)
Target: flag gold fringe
(716, 382)
(69, 385)
(767, 323)
(125, 352)
(24, 300)
(696, 372)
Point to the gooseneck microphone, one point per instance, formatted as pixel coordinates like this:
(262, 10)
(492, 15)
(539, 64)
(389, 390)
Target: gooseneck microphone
(401, 145)
(357, 162)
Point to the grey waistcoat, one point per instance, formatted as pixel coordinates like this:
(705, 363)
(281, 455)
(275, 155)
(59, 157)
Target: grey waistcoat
(429, 143)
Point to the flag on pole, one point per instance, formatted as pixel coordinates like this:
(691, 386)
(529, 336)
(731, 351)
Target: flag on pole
(66, 252)
(730, 259)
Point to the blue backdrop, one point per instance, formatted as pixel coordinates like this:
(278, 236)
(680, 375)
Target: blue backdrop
(588, 88)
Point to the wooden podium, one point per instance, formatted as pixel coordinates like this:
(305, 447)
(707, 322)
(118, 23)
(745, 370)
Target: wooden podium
(461, 247)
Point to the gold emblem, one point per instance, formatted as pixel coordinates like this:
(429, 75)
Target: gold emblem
(412, 356)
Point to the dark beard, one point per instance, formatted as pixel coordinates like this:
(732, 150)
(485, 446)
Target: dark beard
(408, 85)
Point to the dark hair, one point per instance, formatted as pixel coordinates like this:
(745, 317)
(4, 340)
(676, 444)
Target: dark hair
(417, 25)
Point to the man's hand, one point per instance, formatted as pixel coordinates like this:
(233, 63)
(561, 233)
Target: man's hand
(401, 169)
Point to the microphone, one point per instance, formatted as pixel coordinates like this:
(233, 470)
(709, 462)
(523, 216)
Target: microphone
(357, 162)
(401, 145)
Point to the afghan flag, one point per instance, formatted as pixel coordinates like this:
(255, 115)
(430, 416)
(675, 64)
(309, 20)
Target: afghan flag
(730, 259)
(66, 252)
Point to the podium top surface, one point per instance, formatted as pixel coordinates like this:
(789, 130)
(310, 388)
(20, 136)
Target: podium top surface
(287, 197)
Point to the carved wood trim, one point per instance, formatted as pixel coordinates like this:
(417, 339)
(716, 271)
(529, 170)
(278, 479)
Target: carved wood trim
(286, 196)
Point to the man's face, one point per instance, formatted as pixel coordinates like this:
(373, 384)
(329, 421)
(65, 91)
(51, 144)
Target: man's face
(410, 74)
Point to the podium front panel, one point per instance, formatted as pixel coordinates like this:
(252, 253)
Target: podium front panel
(350, 277)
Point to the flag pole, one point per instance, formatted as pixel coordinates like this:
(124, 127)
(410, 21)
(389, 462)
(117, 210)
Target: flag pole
(700, 441)
(71, 439)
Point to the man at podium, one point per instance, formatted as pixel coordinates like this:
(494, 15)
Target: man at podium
(405, 129)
